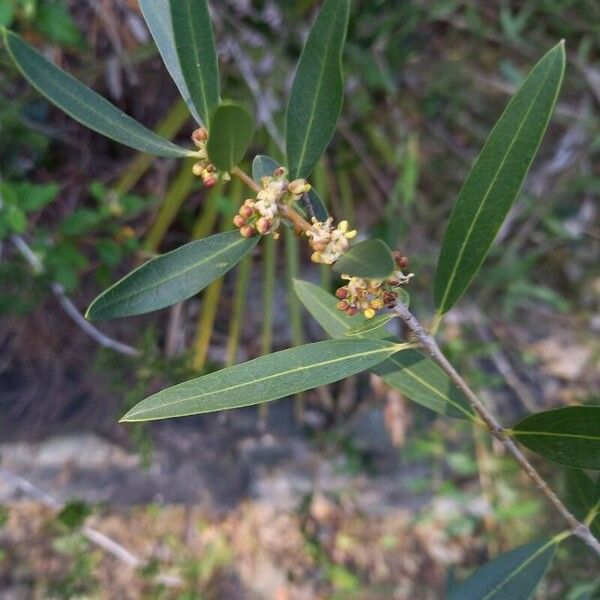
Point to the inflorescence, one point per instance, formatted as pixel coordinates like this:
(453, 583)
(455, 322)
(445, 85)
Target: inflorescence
(263, 214)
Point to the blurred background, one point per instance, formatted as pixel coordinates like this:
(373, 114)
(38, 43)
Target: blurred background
(347, 491)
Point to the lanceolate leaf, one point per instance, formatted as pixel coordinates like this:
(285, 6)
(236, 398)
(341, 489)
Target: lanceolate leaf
(512, 576)
(371, 258)
(583, 497)
(172, 277)
(83, 104)
(157, 14)
(317, 91)
(569, 436)
(231, 129)
(195, 46)
(263, 379)
(316, 208)
(495, 179)
(416, 376)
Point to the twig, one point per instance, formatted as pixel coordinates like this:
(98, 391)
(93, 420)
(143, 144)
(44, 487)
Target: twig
(489, 422)
(67, 305)
(93, 535)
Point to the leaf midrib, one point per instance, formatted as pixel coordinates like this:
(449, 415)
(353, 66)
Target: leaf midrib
(160, 142)
(557, 434)
(489, 189)
(516, 571)
(308, 129)
(382, 350)
(161, 282)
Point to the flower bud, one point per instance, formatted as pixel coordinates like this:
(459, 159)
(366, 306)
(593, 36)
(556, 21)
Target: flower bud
(316, 257)
(209, 181)
(377, 304)
(239, 221)
(263, 225)
(246, 211)
(341, 293)
(197, 169)
(199, 135)
(369, 313)
(319, 246)
(279, 172)
(342, 305)
(400, 260)
(247, 231)
(298, 186)
(351, 310)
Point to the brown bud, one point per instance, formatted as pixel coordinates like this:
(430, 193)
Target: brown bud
(341, 293)
(246, 211)
(342, 305)
(393, 282)
(279, 172)
(351, 310)
(239, 221)
(247, 231)
(319, 246)
(199, 135)
(263, 225)
(400, 260)
(209, 181)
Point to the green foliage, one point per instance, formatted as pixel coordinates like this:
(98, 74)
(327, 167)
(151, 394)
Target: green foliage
(231, 130)
(371, 324)
(317, 91)
(83, 104)
(265, 378)
(511, 576)
(371, 258)
(195, 46)
(171, 277)
(495, 179)
(416, 376)
(74, 514)
(263, 166)
(569, 436)
(583, 498)
(157, 14)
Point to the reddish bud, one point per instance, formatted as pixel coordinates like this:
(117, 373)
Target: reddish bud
(401, 260)
(210, 181)
(342, 305)
(246, 211)
(239, 221)
(279, 172)
(200, 135)
(351, 310)
(341, 293)
(247, 231)
(263, 225)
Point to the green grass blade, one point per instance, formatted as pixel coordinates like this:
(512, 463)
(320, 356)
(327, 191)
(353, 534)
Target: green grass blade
(157, 14)
(83, 104)
(495, 179)
(513, 575)
(416, 376)
(569, 436)
(264, 379)
(317, 91)
(231, 130)
(172, 277)
(195, 47)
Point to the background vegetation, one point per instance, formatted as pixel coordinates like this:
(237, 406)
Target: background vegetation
(425, 81)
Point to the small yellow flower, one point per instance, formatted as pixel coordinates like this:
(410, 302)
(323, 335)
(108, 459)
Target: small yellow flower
(369, 313)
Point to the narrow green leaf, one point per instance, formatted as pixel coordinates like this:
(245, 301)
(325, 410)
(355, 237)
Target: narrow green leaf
(195, 47)
(83, 104)
(513, 575)
(583, 497)
(317, 91)
(231, 129)
(403, 297)
(495, 179)
(263, 166)
(416, 376)
(263, 379)
(172, 277)
(371, 324)
(569, 436)
(317, 206)
(157, 14)
(371, 258)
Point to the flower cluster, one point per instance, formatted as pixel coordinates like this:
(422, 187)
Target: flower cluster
(204, 168)
(262, 215)
(328, 242)
(371, 295)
